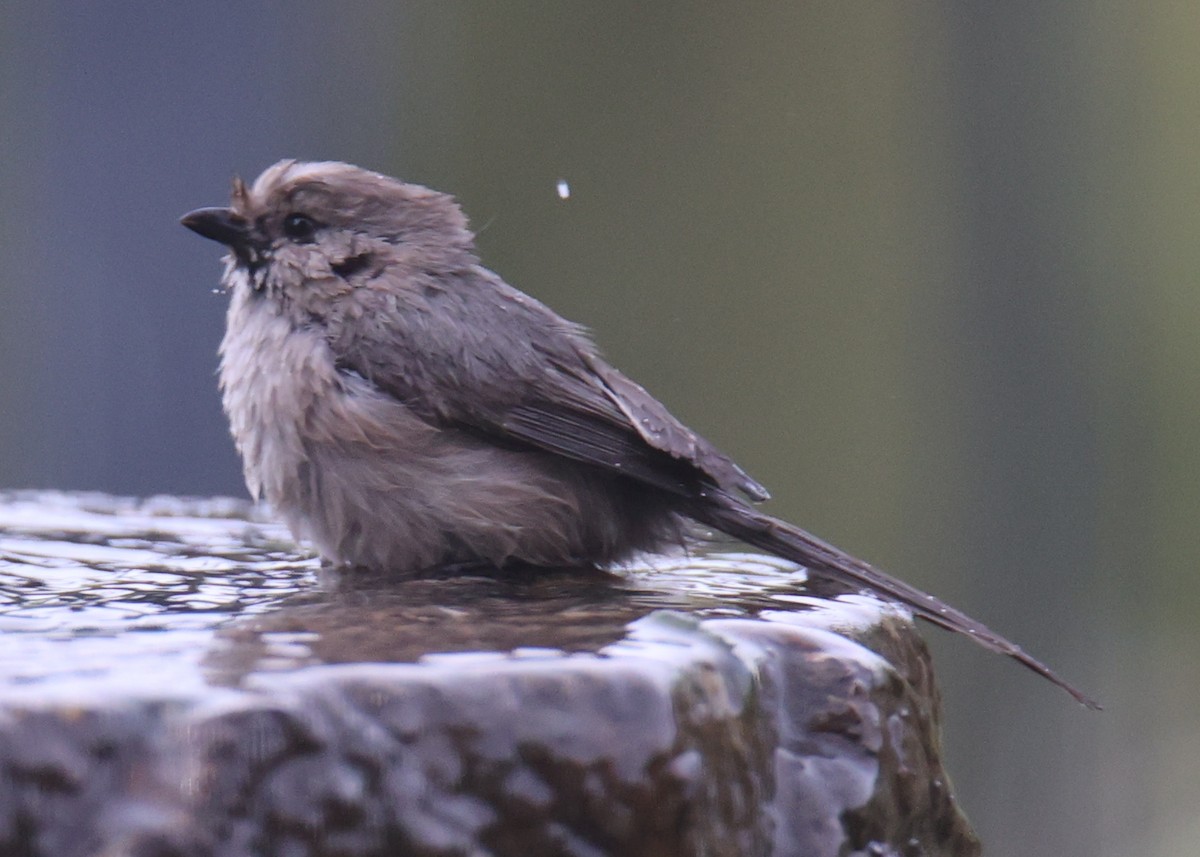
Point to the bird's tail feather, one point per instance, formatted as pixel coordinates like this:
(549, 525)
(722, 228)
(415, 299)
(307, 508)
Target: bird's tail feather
(781, 538)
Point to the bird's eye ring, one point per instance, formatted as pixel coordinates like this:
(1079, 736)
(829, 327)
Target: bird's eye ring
(300, 228)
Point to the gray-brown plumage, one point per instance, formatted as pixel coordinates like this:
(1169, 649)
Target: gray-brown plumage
(404, 408)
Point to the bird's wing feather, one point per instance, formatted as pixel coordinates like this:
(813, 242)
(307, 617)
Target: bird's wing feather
(539, 381)
(583, 436)
(658, 428)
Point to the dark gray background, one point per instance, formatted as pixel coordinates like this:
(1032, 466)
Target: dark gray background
(928, 270)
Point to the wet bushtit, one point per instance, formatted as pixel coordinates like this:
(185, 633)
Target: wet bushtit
(404, 408)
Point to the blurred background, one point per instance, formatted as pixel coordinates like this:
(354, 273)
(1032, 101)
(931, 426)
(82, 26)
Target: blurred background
(928, 270)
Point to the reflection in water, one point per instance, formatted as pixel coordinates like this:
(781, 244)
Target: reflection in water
(188, 594)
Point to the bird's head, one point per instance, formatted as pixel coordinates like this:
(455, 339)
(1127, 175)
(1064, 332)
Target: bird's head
(315, 236)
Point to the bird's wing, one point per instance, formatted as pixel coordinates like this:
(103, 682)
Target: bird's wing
(598, 416)
(494, 361)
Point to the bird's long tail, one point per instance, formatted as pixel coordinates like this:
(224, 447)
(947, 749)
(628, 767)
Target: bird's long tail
(792, 543)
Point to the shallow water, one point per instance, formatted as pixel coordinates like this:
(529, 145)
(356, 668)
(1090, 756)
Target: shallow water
(170, 595)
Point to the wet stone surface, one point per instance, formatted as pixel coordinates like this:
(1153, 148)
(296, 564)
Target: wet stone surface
(177, 678)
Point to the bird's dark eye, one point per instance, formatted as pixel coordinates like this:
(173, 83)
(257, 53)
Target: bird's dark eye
(300, 228)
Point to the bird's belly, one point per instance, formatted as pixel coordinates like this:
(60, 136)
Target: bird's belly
(405, 496)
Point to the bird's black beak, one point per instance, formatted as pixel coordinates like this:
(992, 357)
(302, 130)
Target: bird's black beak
(219, 224)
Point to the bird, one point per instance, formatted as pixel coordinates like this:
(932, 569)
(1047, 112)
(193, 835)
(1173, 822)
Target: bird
(405, 409)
